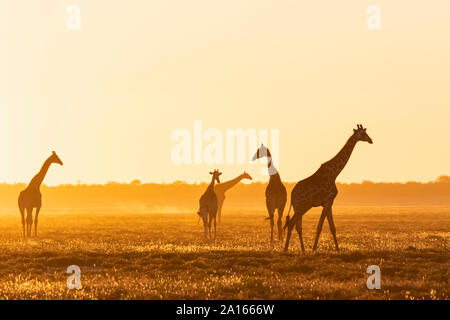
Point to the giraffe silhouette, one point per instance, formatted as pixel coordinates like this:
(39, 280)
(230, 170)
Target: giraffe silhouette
(320, 190)
(276, 194)
(223, 187)
(208, 205)
(30, 198)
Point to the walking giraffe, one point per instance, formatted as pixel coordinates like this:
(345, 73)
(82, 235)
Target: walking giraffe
(320, 190)
(276, 194)
(223, 187)
(208, 205)
(30, 198)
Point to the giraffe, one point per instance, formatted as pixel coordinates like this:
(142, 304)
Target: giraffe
(30, 198)
(223, 187)
(320, 190)
(208, 205)
(276, 194)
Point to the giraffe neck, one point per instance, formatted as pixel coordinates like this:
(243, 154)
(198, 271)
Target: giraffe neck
(339, 161)
(275, 178)
(224, 186)
(211, 185)
(36, 182)
(270, 167)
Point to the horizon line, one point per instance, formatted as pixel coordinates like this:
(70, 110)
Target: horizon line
(140, 182)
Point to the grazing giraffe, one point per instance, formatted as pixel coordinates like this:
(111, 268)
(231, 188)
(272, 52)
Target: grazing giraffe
(30, 198)
(276, 194)
(320, 190)
(223, 187)
(208, 205)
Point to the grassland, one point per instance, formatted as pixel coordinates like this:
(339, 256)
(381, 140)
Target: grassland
(163, 256)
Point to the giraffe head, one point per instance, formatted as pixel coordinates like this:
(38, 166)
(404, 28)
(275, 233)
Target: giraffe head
(247, 176)
(216, 174)
(55, 159)
(361, 134)
(261, 153)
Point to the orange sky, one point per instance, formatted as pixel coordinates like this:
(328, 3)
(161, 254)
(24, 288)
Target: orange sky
(107, 97)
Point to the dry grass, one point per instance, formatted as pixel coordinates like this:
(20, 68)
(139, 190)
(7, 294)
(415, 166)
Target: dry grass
(163, 256)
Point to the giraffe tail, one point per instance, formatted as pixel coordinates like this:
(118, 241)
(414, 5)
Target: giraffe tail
(198, 221)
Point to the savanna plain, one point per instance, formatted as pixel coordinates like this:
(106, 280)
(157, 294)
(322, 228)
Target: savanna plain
(141, 255)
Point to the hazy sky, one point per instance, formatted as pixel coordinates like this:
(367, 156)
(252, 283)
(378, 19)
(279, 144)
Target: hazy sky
(108, 97)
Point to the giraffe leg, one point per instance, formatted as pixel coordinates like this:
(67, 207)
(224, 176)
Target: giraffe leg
(332, 227)
(272, 223)
(319, 226)
(290, 226)
(271, 209)
(219, 210)
(214, 217)
(36, 220)
(215, 228)
(29, 221)
(279, 221)
(298, 214)
(205, 226)
(299, 231)
(204, 216)
(22, 213)
(209, 226)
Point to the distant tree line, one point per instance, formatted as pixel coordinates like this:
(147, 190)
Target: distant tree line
(181, 196)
